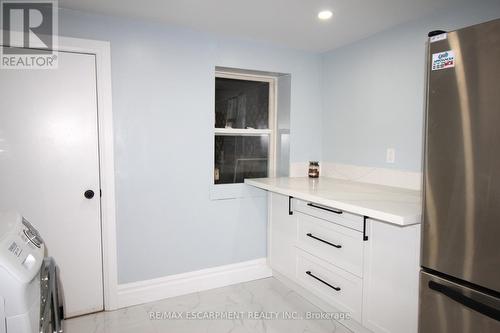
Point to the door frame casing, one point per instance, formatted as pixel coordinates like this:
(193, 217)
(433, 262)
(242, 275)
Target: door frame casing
(102, 52)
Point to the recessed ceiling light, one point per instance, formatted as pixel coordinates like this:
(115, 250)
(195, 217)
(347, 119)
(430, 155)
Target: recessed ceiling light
(325, 14)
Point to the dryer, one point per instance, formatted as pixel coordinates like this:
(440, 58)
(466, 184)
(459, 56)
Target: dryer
(29, 296)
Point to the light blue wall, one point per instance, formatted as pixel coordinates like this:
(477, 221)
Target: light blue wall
(347, 106)
(163, 86)
(373, 90)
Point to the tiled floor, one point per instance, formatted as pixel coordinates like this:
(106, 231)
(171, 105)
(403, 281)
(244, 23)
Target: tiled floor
(266, 297)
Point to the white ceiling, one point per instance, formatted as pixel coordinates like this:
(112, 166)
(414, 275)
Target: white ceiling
(290, 23)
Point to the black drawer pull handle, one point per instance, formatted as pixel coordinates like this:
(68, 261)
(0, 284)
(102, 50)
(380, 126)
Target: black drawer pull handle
(324, 241)
(331, 210)
(466, 301)
(322, 281)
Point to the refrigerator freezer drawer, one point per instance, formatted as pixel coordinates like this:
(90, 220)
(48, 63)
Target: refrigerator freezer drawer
(447, 307)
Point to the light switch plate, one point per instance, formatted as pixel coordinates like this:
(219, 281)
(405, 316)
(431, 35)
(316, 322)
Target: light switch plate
(390, 155)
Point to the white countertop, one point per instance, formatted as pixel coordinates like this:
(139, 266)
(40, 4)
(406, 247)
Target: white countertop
(391, 204)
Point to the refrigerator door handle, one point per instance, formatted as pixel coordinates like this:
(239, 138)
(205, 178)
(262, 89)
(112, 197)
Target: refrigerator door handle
(465, 300)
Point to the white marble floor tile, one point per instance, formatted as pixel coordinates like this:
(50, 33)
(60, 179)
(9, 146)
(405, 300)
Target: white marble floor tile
(132, 319)
(248, 302)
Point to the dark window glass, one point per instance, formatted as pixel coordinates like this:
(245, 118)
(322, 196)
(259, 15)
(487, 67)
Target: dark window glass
(240, 157)
(241, 104)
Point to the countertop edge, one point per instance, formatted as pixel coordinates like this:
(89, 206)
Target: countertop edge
(359, 210)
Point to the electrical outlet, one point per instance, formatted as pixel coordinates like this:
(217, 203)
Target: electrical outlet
(390, 156)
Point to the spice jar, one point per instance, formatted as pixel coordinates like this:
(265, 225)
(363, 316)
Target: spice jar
(313, 169)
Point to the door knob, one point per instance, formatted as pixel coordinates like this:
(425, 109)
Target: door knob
(89, 194)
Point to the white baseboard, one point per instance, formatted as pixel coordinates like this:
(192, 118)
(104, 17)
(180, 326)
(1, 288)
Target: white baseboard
(141, 292)
(381, 176)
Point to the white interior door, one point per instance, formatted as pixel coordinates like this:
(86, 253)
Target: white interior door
(48, 159)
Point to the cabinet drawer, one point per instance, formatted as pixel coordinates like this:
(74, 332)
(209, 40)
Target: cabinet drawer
(340, 246)
(331, 214)
(337, 287)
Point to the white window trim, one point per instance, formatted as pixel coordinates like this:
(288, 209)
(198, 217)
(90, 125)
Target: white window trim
(227, 191)
(242, 132)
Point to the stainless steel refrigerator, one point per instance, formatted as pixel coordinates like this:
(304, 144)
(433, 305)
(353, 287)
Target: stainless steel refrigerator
(460, 277)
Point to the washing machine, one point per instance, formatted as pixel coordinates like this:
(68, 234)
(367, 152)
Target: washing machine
(29, 289)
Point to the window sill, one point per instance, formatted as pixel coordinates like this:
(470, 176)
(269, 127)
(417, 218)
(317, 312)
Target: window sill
(234, 191)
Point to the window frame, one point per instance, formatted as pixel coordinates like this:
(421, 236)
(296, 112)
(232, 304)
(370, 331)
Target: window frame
(270, 132)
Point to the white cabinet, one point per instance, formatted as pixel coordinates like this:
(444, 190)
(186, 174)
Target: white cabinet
(390, 277)
(338, 287)
(358, 265)
(282, 235)
(340, 246)
(336, 216)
